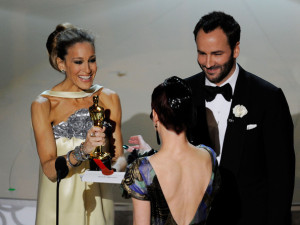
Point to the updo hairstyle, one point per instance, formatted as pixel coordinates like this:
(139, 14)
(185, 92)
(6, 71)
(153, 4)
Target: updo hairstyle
(65, 36)
(172, 101)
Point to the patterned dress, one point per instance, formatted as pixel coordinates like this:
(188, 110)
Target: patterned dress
(141, 182)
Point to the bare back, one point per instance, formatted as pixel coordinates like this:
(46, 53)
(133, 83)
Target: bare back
(183, 182)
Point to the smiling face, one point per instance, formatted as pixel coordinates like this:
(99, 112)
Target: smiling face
(80, 66)
(215, 56)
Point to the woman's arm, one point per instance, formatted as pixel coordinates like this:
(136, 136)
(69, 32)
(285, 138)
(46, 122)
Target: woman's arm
(111, 102)
(45, 143)
(141, 212)
(116, 116)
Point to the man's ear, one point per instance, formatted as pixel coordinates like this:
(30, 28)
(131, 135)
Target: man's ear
(236, 50)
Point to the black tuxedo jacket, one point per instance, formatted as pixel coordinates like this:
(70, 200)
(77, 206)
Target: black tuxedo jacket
(257, 165)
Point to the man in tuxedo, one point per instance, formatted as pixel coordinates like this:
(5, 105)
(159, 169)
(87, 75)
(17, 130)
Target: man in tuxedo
(252, 120)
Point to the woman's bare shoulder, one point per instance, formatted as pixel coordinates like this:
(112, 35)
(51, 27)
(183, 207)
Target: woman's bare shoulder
(205, 153)
(108, 96)
(40, 111)
(106, 92)
(45, 101)
(40, 103)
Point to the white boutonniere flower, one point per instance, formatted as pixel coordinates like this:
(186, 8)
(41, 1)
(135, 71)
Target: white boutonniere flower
(239, 111)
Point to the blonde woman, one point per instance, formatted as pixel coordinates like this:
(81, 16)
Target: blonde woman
(62, 127)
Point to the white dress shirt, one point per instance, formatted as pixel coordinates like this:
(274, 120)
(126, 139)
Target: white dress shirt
(220, 108)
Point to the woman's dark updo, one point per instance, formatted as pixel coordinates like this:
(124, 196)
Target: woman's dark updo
(172, 101)
(65, 36)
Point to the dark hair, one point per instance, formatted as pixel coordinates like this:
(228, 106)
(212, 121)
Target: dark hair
(64, 36)
(226, 22)
(172, 101)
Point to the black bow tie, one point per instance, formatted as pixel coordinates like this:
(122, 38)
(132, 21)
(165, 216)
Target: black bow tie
(211, 92)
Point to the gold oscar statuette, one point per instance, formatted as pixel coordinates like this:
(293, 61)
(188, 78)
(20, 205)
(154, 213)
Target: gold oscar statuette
(97, 115)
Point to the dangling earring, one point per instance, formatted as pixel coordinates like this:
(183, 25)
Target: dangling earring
(157, 136)
(63, 71)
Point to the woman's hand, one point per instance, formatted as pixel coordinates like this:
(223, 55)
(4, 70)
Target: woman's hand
(95, 137)
(138, 144)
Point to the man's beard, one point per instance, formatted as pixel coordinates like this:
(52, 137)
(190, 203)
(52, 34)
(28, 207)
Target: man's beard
(225, 69)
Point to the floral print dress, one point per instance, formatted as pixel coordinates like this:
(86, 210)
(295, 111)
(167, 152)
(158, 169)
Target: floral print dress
(141, 182)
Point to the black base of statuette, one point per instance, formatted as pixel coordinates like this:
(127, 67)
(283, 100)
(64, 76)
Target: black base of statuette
(95, 167)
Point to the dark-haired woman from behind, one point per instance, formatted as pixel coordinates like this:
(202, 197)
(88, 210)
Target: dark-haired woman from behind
(63, 127)
(177, 184)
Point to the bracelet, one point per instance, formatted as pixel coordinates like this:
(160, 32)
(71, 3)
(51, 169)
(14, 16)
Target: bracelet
(69, 161)
(82, 152)
(79, 153)
(74, 157)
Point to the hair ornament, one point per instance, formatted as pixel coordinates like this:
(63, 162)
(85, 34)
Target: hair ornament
(176, 102)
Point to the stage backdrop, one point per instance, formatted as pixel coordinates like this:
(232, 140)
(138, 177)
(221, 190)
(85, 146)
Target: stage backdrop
(139, 44)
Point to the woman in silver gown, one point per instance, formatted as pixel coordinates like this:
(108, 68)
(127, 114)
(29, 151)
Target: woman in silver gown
(62, 127)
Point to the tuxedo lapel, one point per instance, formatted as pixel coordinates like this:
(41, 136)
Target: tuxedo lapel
(236, 127)
(198, 134)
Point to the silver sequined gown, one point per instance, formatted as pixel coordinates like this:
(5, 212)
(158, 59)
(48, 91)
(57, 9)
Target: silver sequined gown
(81, 203)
